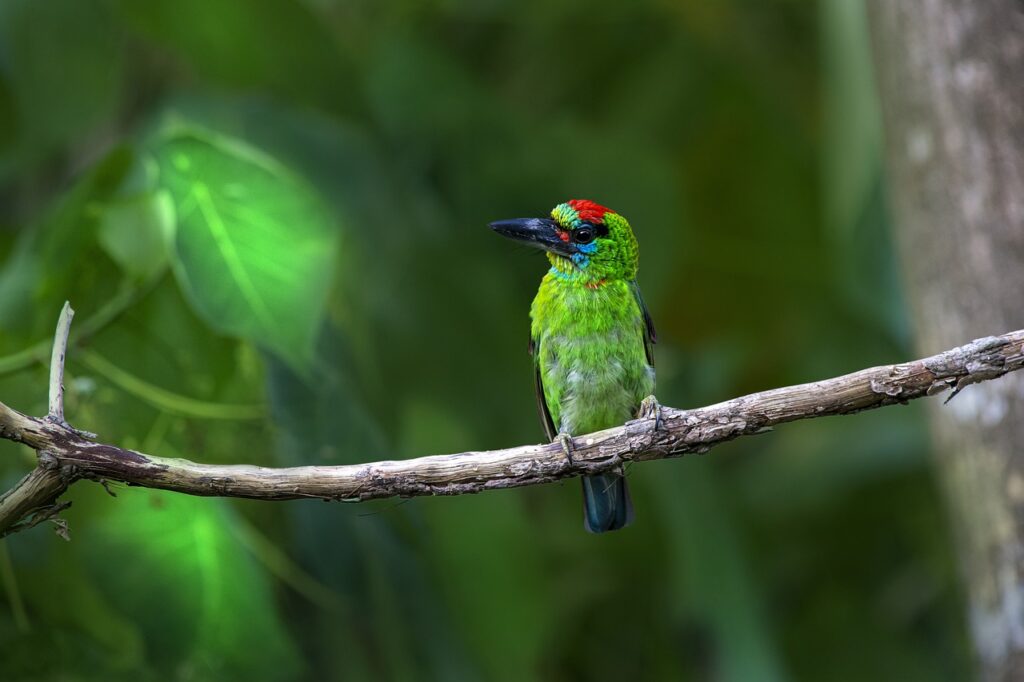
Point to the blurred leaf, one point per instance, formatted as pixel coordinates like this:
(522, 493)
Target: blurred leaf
(203, 601)
(134, 232)
(253, 246)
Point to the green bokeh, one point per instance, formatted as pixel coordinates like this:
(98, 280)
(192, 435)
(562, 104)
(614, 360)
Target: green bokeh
(351, 155)
(252, 247)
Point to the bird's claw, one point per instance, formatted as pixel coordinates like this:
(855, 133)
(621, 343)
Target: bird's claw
(565, 440)
(650, 407)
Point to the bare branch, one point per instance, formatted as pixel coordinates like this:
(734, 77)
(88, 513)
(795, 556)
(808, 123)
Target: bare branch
(34, 499)
(16, 426)
(60, 349)
(678, 432)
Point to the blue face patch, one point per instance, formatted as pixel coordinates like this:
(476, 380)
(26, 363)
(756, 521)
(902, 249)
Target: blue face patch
(581, 260)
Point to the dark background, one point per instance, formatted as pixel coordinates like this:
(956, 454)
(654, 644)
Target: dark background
(376, 141)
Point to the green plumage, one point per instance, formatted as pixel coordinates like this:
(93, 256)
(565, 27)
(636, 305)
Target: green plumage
(591, 338)
(591, 354)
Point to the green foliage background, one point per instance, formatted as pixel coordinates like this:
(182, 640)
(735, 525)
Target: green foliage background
(271, 219)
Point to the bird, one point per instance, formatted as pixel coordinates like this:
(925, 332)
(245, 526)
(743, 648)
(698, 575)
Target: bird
(591, 338)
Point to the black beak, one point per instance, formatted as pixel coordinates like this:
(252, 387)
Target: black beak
(540, 232)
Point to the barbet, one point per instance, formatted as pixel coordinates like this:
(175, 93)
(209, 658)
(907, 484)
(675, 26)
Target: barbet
(591, 337)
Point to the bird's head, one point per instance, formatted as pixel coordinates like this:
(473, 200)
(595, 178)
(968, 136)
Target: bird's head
(585, 242)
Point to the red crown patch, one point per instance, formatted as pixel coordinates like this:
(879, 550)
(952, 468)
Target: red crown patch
(588, 211)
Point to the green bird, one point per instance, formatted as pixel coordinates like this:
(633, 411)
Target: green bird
(591, 338)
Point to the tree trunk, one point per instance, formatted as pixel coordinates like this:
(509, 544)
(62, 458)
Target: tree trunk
(951, 79)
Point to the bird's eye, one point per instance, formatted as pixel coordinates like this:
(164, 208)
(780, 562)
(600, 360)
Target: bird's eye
(583, 235)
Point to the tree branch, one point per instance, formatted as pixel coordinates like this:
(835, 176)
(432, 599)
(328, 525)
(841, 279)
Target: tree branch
(34, 499)
(67, 454)
(60, 350)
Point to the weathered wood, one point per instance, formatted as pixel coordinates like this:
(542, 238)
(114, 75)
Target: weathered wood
(34, 498)
(675, 432)
(60, 350)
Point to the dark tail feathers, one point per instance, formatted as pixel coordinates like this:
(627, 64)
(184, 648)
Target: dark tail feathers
(606, 503)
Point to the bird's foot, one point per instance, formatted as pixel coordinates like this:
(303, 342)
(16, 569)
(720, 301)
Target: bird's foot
(650, 407)
(565, 440)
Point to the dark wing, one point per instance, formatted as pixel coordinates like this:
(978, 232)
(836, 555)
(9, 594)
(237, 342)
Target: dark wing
(650, 335)
(542, 405)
